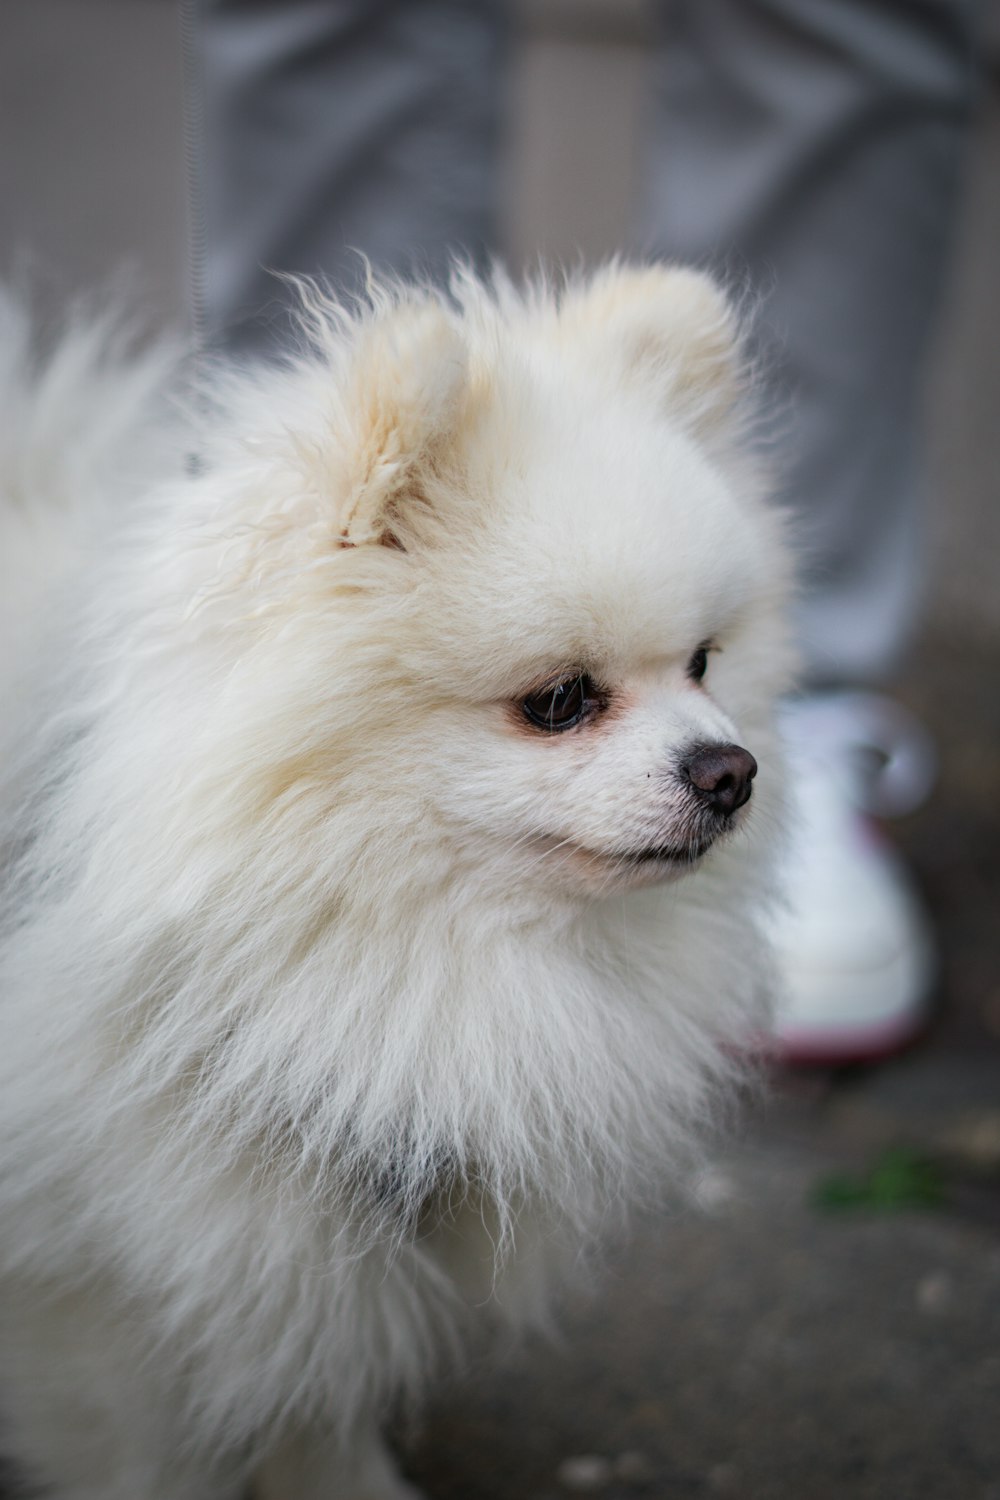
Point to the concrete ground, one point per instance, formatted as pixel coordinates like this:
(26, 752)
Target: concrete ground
(782, 1343)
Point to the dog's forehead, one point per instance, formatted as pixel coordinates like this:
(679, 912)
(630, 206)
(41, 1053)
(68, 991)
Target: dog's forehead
(603, 535)
(619, 509)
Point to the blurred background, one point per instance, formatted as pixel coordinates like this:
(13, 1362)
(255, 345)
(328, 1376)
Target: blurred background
(810, 1333)
(92, 179)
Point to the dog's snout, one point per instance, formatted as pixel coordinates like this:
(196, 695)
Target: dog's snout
(721, 775)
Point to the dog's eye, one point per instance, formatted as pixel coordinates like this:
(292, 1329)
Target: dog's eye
(698, 665)
(562, 705)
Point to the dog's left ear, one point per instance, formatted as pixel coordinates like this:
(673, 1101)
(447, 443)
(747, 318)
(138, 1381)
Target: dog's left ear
(671, 330)
(399, 403)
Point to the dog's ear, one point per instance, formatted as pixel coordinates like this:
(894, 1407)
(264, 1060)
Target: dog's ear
(671, 330)
(398, 404)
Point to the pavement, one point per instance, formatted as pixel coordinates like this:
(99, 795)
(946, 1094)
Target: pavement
(827, 1322)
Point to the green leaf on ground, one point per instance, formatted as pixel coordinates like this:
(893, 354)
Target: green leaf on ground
(900, 1179)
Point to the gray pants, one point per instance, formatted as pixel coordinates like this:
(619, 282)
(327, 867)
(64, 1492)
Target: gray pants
(811, 150)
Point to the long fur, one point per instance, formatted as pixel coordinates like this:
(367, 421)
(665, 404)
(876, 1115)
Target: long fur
(313, 1053)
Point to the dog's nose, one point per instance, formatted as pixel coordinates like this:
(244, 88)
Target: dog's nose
(721, 775)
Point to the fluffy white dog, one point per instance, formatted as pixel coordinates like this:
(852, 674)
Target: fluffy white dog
(383, 881)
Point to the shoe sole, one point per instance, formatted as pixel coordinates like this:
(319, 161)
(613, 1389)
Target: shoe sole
(888, 1009)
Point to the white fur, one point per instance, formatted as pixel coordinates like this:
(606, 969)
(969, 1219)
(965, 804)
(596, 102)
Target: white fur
(336, 1020)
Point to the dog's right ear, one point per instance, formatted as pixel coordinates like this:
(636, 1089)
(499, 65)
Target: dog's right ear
(398, 402)
(671, 330)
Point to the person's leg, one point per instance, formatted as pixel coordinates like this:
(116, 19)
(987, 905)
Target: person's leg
(324, 128)
(812, 150)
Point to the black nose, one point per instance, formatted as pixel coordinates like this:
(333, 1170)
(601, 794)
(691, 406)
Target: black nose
(721, 775)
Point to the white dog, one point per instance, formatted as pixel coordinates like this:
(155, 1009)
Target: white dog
(383, 888)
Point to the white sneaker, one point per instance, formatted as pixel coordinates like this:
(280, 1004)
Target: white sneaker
(854, 944)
